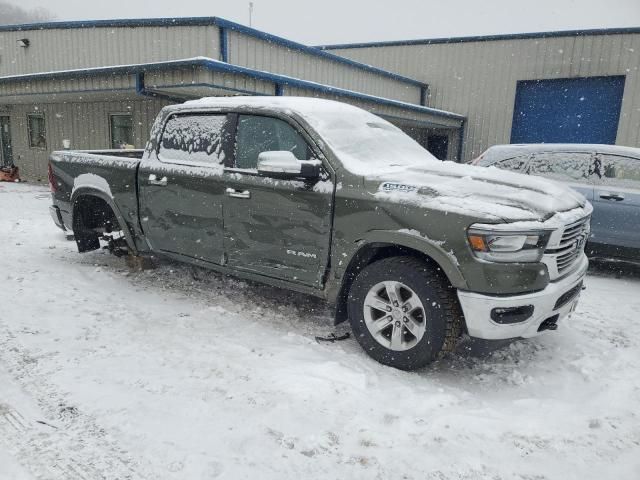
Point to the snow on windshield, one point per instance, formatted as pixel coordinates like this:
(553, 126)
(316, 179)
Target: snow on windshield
(364, 142)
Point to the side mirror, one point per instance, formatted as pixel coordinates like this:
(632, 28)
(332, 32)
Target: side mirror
(284, 164)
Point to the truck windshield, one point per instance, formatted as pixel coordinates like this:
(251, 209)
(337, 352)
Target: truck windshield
(367, 144)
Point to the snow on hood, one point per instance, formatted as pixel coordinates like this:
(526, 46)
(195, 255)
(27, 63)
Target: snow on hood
(487, 192)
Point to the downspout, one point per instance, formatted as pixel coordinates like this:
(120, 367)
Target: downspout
(461, 139)
(224, 44)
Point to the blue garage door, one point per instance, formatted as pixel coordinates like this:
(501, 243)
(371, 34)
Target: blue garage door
(567, 110)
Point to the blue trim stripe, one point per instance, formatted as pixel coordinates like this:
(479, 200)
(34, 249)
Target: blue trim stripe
(218, 66)
(130, 22)
(485, 38)
(207, 21)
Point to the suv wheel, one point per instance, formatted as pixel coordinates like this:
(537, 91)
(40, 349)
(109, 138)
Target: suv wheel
(403, 312)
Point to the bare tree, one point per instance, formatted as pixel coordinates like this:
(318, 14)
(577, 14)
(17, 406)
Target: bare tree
(12, 14)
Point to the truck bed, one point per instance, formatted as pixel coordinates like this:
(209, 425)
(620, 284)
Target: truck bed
(112, 172)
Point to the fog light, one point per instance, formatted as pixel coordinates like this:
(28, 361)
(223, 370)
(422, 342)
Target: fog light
(509, 315)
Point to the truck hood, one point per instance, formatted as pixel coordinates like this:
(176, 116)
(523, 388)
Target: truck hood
(487, 193)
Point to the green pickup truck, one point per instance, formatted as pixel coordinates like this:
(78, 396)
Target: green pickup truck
(330, 200)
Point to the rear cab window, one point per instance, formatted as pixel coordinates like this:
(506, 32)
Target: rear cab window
(195, 139)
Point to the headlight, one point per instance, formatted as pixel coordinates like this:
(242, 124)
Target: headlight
(507, 246)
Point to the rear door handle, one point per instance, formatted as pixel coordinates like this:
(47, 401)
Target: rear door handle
(612, 196)
(232, 192)
(153, 180)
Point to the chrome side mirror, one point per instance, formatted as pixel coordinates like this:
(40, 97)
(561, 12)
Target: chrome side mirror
(284, 164)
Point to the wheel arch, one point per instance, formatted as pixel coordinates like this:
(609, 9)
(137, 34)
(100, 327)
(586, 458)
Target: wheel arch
(382, 244)
(97, 193)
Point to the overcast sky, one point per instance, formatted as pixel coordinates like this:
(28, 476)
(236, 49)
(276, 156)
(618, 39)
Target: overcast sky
(336, 21)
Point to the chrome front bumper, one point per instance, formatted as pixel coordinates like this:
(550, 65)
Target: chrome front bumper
(547, 304)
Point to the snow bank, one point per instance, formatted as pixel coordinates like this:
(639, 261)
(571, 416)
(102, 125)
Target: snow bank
(177, 374)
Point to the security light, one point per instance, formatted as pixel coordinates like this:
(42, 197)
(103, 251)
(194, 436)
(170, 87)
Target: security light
(23, 42)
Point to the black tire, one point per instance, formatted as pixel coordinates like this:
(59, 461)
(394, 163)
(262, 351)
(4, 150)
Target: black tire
(443, 315)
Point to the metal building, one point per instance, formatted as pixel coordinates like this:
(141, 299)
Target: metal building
(100, 84)
(574, 86)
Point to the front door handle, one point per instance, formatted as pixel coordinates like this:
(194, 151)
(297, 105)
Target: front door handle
(232, 192)
(153, 180)
(612, 196)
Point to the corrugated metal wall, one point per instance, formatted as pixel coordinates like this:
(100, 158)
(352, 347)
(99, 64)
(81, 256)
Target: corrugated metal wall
(19, 92)
(259, 54)
(77, 48)
(67, 49)
(86, 124)
(478, 79)
(188, 79)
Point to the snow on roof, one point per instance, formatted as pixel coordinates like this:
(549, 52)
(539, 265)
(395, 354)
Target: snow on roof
(303, 106)
(520, 149)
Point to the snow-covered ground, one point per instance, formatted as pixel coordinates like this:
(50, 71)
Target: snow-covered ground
(181, 374)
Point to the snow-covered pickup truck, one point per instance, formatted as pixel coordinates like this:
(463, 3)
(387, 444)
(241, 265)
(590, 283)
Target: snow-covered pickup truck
(324, 198)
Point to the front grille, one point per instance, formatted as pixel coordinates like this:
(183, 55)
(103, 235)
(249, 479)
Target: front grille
(565, 251)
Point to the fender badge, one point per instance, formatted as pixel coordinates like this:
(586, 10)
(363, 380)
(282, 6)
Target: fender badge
(389, 187)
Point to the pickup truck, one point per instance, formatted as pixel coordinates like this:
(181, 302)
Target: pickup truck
(327, 199)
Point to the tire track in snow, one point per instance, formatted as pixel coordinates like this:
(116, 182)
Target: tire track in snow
(73, 447)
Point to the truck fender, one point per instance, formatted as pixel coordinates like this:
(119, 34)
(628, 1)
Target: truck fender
(95, 191)
(338, 291)
(423, 244)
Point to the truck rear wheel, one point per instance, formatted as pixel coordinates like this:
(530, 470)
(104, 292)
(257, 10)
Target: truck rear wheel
(404, 312)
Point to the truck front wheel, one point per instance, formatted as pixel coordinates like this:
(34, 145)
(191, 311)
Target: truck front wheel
(403, 312)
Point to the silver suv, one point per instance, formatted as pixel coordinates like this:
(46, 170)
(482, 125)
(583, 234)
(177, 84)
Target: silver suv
(607, 175)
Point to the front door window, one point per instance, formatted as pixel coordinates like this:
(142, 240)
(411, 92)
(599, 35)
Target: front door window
(257, 134)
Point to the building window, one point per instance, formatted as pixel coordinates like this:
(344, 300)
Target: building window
(37, 130)
(121, 129)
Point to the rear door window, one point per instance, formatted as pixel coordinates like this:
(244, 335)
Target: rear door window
(515, 164)
(618, 171)
(561, 166)
(194, 139)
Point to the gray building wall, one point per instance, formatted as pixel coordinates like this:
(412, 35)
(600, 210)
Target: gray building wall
(56, 49)
(77, 104)
(73, 48)
(262, 55)
(478, 79)
(86, 124)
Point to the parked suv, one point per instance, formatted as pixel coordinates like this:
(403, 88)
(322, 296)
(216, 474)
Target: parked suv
(325, 198)
(607, 175)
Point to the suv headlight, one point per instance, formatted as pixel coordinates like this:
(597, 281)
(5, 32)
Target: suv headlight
(507, 246)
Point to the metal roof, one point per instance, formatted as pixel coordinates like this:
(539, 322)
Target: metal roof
(486, 38)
